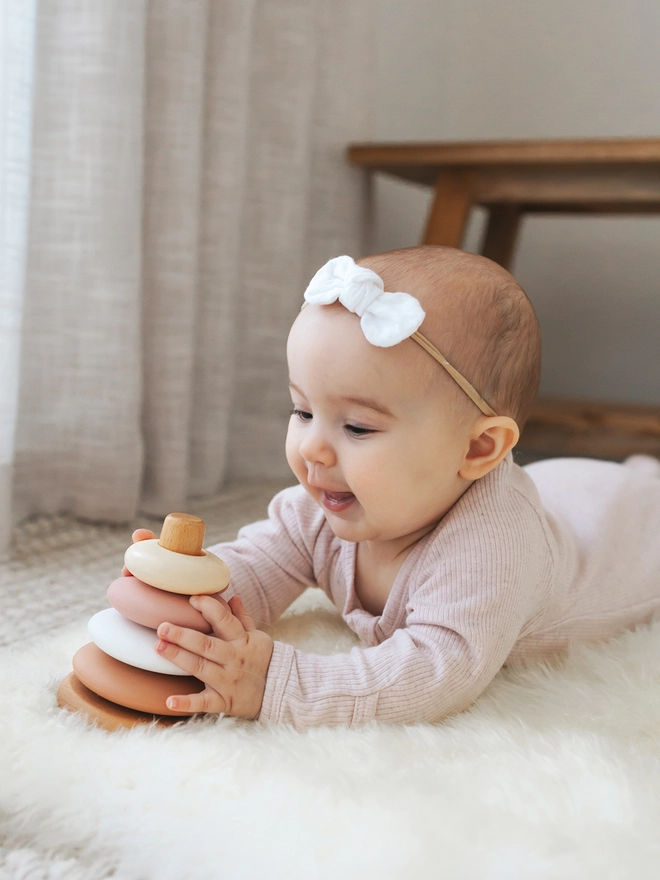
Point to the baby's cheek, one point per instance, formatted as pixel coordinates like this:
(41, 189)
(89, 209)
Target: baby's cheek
(293, 457)
(373, 472)
(389, 478)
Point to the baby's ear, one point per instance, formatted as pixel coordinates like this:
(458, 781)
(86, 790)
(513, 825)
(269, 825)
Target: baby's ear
(492, 438)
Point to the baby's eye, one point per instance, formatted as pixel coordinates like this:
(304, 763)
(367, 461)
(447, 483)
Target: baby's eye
(302, 415)
(355, 431)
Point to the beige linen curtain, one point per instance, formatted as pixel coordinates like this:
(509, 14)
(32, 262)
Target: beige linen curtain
(175, 171)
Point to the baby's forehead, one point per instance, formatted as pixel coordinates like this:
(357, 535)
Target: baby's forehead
(329, 339)
(333, 328)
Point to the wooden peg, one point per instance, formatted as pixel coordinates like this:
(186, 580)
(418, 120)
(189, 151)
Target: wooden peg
(183, 533)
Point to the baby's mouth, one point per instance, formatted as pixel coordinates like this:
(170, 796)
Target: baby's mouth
(337, 501)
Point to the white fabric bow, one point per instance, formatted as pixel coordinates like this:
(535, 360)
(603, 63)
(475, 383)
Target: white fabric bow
(385, 318)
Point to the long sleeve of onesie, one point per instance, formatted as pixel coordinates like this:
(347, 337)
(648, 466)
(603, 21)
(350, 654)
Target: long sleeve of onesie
(457, 607)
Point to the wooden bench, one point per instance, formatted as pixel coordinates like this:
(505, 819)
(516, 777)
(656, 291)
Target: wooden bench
(513, 178)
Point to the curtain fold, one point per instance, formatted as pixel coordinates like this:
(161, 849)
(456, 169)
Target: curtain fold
(17, 40)
(186, 177)
(173, 153)
(227, 114)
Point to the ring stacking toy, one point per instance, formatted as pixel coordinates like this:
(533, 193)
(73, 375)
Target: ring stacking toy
(118, 679)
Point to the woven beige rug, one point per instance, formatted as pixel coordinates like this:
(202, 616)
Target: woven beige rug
(554, 773)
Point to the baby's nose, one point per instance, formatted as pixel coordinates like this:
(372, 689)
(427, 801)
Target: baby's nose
(316, 449)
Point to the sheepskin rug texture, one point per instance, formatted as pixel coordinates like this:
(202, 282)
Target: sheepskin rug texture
(553, 773)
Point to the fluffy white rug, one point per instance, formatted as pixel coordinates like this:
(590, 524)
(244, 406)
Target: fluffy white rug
(554, 773)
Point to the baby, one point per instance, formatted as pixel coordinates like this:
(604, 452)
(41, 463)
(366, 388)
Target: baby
(411, 374)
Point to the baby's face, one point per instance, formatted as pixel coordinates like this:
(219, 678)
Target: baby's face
(372, 437)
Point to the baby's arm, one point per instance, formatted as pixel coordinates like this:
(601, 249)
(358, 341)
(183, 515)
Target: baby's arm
(460, 627)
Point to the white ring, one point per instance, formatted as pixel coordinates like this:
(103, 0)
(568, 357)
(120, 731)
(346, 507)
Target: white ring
(129, 642)
(176, 572)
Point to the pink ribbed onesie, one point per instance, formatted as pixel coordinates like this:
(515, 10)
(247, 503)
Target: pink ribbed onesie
(526, 561)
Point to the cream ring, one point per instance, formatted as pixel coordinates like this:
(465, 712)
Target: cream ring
(176, 572)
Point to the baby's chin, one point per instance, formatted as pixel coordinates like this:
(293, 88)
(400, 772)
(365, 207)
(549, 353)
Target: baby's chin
(344, 531)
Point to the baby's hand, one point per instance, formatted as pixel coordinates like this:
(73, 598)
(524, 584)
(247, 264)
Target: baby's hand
(233, 665)
(138, 535)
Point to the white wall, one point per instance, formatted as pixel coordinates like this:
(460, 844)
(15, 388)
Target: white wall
(474, 69)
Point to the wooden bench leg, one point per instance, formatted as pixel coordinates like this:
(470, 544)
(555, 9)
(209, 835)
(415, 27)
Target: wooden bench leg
(450, 209)
(499, 241)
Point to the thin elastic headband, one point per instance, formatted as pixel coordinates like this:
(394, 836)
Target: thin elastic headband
(469, 389)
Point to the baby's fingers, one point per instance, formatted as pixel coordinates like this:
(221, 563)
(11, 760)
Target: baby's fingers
(206, 701)
(142, 535)
(219, 614)
(138, 535)
(193, 652)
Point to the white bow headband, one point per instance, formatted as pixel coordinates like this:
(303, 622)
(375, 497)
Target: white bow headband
(385, 318)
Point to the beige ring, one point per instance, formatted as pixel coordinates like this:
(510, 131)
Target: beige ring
(176, 572)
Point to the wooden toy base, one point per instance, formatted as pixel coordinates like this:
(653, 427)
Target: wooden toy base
(73, 695)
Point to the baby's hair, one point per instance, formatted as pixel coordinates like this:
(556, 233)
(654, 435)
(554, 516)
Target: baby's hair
(477, 315)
